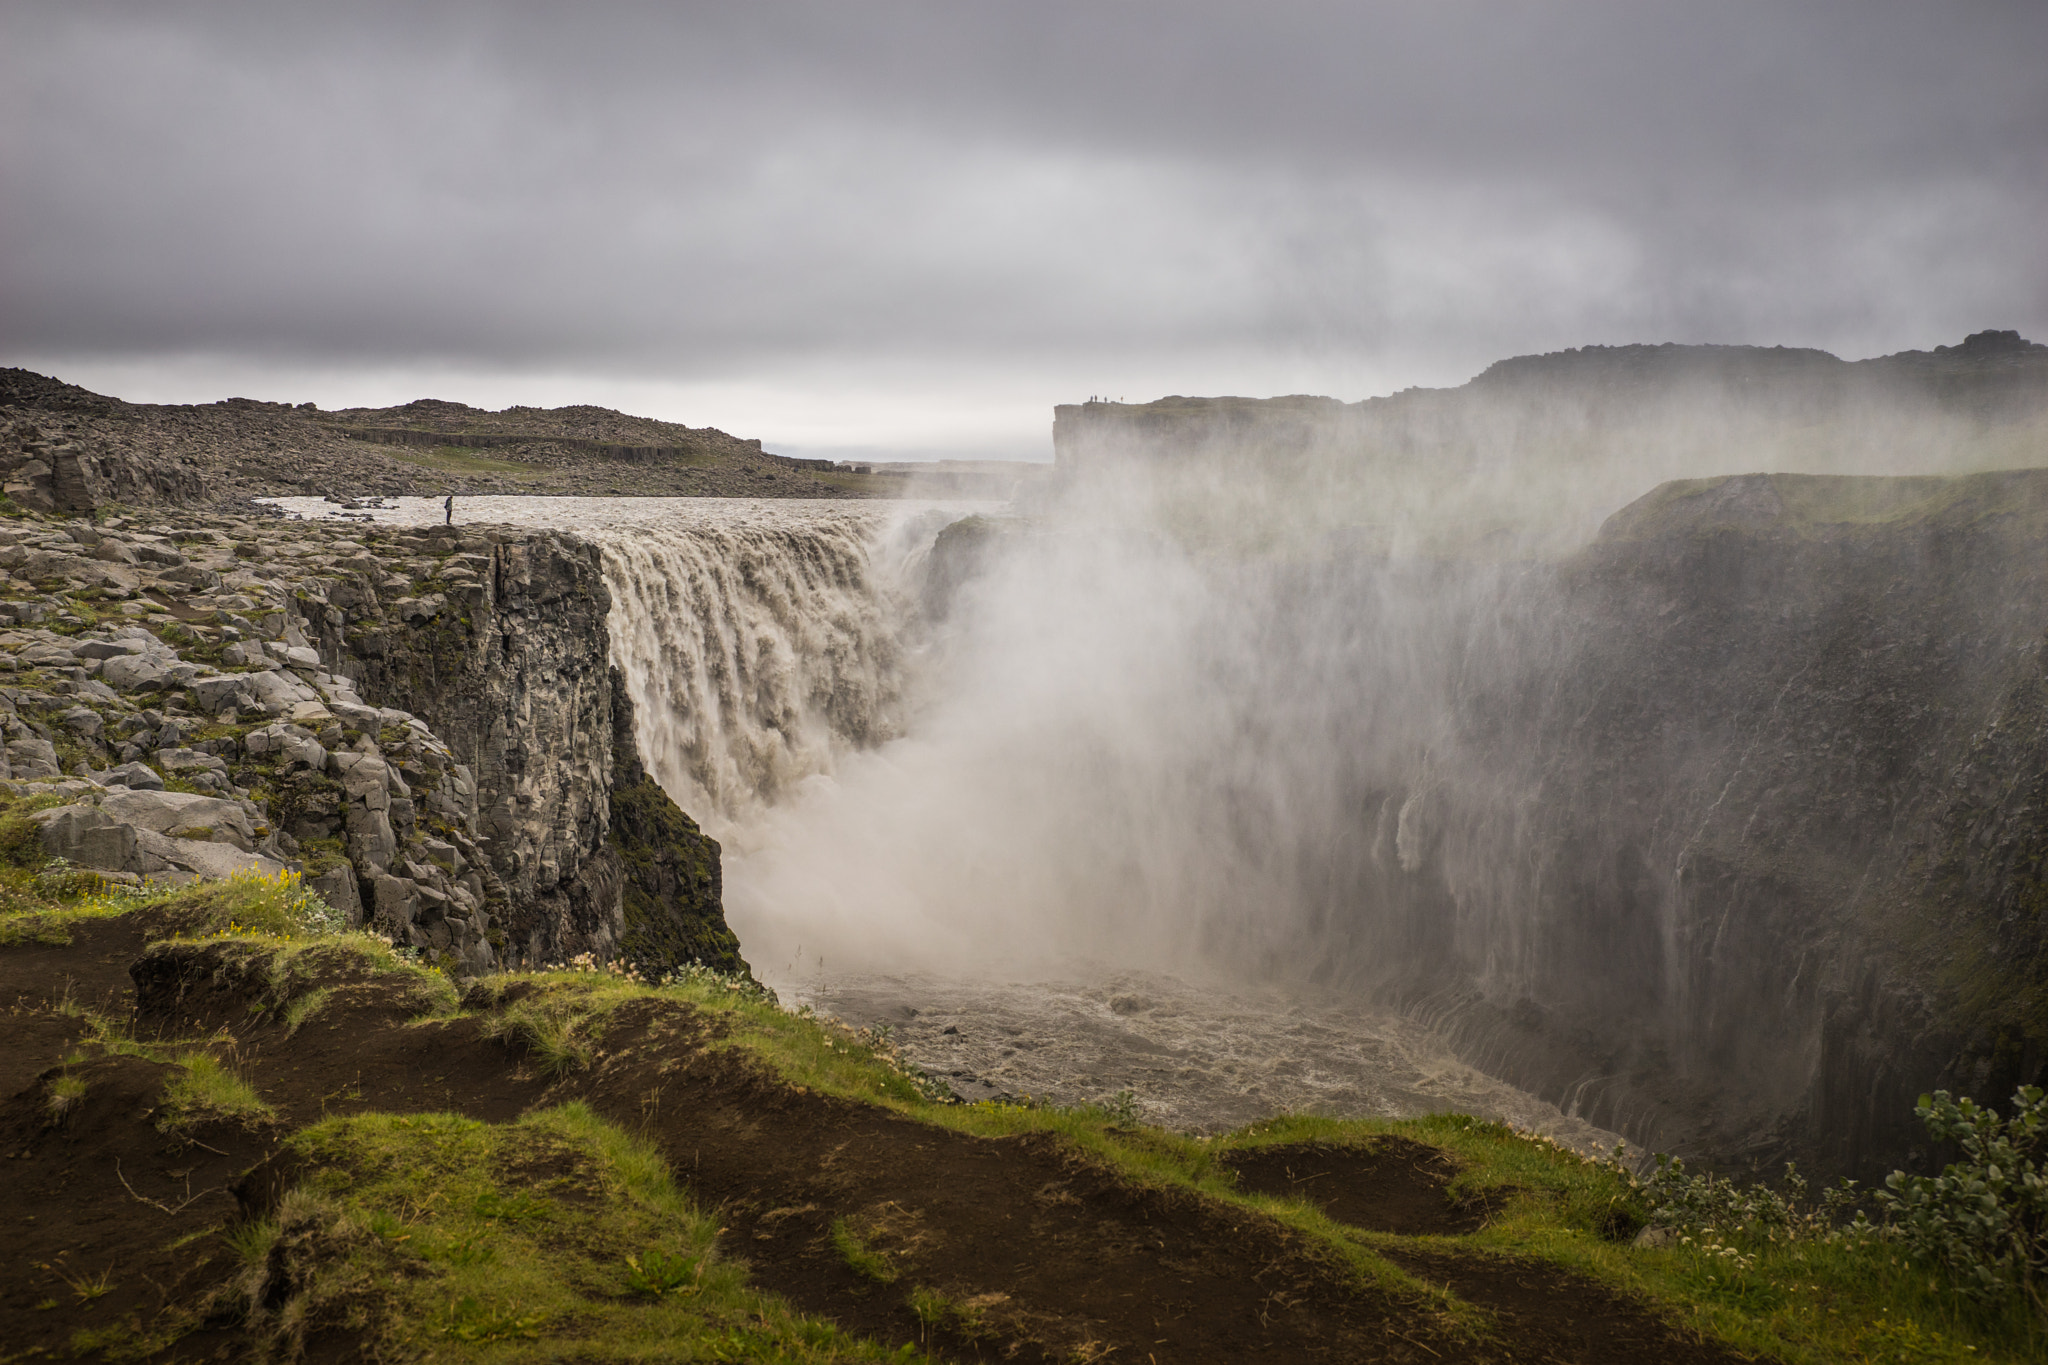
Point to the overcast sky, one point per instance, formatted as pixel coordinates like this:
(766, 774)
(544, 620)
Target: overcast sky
(872, 225)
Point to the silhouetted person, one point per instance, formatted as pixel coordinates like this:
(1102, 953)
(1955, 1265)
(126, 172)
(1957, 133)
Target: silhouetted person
(448, 508)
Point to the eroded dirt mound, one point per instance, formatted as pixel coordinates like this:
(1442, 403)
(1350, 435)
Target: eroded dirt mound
(1051, 1254)
(98, 1197)
(1065, 1258)
(1393, 1185)
(1552, 1315)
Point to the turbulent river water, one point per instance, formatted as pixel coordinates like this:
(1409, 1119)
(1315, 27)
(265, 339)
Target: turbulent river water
(790, 692)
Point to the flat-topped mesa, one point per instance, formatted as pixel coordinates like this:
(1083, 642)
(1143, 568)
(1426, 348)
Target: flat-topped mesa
(1991, 376)
(65, 449)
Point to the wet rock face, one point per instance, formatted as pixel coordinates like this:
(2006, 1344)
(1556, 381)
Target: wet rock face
(669, 870)
(1755, 787)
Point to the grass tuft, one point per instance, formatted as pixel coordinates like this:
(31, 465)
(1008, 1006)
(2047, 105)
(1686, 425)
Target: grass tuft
(861, 1258)
(205, 1090)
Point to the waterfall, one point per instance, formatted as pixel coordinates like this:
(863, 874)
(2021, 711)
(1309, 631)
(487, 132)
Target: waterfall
(760, 643)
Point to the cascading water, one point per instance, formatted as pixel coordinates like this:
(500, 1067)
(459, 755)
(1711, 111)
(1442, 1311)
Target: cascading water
(758, 643)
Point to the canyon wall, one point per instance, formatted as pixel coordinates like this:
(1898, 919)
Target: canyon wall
(1735, 839)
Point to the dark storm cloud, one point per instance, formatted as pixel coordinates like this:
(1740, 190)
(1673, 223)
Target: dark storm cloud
(733, 188)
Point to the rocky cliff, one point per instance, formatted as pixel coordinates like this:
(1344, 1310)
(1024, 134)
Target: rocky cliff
(1740, 834)
(424, 721)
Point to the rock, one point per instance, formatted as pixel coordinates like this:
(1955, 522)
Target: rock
(293, 744)
(138, 776)
(310, 713)
(163, 556)
(200, 857)
(184, 760)
(355, 715)
(221, 692)
(365, 777)
(337, 886)
(134, 673)
(396, 901)
(83, 720)
(108, 649)
(89, 837)
(277, 692)
(31, 757)
(242, 654)
(192, 576)
(176, 813)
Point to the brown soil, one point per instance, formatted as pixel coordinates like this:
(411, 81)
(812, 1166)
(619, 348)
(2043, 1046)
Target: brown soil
(1394, 1185)
(1063, 1258)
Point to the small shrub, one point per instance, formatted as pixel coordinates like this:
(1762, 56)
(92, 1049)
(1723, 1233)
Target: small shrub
(1984, 1219)
(21, 841)
(656, 1272)
(471, 1319)
(66, 1094)
(1707, 1207)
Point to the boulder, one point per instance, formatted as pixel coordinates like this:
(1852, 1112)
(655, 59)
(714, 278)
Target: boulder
(397, 900)
(365, 777)
(32, 757)
(89, 837)
(277, 692)
(134, 673)
(199, 857)
(222, 692)
(184, 760)
(191, 576)
(354, 714)
(109, 649)
(175, 813)
(337, 886)
(138, 776)
(295, 746)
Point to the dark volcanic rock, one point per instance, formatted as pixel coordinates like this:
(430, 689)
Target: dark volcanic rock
(672, 895)
(1759, 787)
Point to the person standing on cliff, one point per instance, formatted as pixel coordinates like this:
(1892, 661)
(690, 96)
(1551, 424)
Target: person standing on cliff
(448, 509)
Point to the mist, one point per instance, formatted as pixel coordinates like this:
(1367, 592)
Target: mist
(1211, 705)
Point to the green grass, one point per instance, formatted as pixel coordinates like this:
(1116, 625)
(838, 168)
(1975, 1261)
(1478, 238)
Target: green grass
(462, 460)
(466, 1240)
(862, 1259)
(558, 1234)
(204, 1090)
(66, 1094)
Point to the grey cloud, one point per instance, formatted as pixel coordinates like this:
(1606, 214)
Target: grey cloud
(725, 189)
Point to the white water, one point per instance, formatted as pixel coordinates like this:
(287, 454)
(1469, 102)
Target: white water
(1065, 789)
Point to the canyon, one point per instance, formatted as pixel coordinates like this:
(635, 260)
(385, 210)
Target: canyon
(1705, 807)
